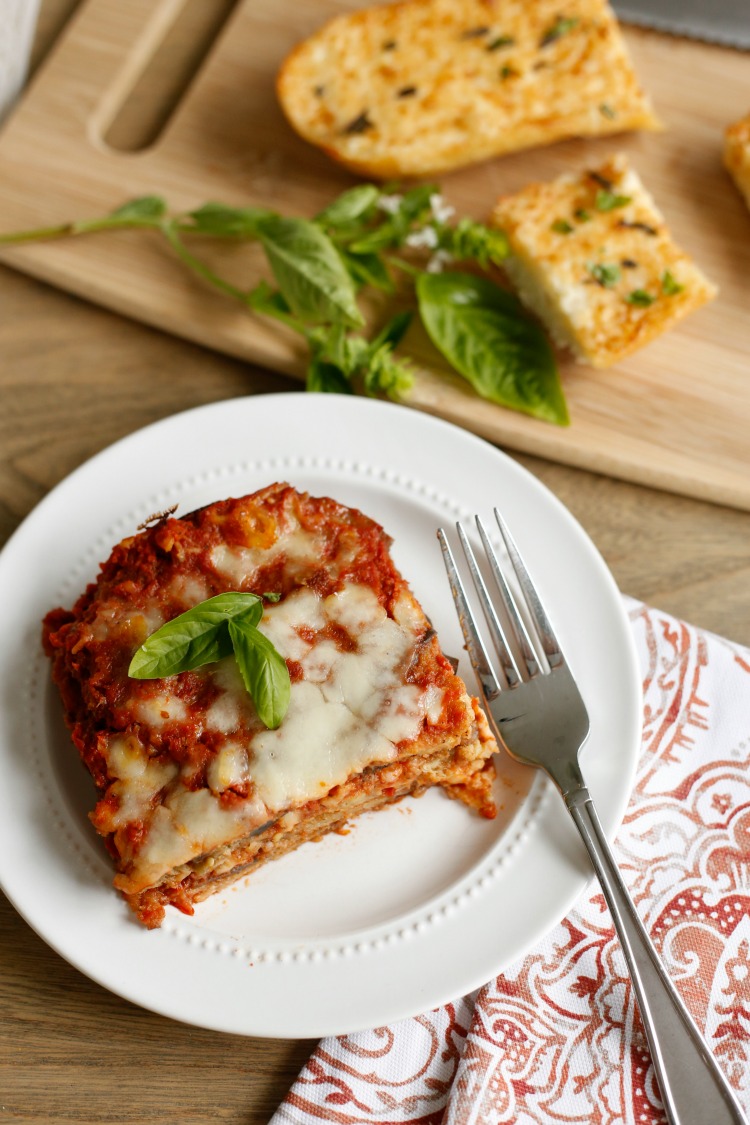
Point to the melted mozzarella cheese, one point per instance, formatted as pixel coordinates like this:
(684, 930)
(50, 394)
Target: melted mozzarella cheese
(229, 767)
(157, 710)
(189, 823)
(233, 707)
(282, 622)
(350, 710)
(189, 589)
(237, 564)
(318, 745)
(138, 778)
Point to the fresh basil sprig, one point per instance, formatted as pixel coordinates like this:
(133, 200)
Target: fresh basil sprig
(486, 334)
(210, 631)
(371, 238)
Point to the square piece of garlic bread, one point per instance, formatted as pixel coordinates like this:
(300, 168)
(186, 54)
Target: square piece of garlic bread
(592, 256)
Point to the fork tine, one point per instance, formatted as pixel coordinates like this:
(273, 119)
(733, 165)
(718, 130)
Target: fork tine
(477, 652)
(517, 623)
(510, 668)
(546, 633)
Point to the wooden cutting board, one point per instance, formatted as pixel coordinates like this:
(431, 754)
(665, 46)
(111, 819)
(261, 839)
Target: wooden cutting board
(676, 415)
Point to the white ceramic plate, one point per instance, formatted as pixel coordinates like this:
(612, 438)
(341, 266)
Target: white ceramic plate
(417, 904)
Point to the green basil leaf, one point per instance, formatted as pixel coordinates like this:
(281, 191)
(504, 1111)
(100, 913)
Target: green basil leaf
(412, 208)
(387, 235)
(356, 203)
(368, 269)
(197, 637)
(486, 334)
(335, 345)
(309, 271)
(218, 219)
(263, 669)
(417, 202)
(470, 241)
(146, 207)
(330, 344)
(393, 331)
(263, 299)
(386, 375)
(326, 378)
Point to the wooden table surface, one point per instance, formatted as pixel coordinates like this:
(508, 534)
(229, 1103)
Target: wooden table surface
(74, 379)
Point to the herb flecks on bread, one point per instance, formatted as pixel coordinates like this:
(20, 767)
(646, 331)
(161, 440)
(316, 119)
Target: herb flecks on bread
(423, 86)
(592, 256)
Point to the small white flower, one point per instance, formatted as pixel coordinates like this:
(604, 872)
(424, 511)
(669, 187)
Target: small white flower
(389, 203)
(439, 260)
(441, 210)
(425, 238)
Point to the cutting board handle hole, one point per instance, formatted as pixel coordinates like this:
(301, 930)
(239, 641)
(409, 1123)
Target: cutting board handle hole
(166, 74)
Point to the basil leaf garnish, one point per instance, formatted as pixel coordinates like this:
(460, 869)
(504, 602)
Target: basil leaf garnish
(263, 669)
(212, 630)
(197, 637)
(309, 271)
(486, 334)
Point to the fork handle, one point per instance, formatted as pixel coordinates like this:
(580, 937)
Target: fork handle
(693, 1088)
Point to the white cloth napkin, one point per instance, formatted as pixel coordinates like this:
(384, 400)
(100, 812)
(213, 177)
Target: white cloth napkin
(557, 1037)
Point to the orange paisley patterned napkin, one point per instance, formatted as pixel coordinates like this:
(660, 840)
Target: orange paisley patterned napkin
(557, 1037)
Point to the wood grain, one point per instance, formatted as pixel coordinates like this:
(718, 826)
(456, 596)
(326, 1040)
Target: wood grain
(675, 415)
(74, 378)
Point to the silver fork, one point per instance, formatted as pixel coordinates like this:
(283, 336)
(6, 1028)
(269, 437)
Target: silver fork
(539, 716)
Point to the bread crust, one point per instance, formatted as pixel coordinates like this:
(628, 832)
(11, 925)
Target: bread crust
(420, 87)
